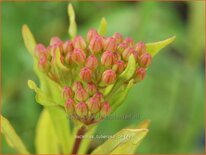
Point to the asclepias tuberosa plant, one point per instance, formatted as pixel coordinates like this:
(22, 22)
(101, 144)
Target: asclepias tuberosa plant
(81, 81)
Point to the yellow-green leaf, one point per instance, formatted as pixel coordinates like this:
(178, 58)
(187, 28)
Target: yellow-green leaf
(62, 129)
(41, 97)
(72, 26)
(11, 136)
(129, 71)
(46, 140)
(28, 38)
(103, 27)
(125, 141)
(154, 48)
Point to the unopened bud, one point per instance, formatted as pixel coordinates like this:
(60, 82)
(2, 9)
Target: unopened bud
(43, 63)
(117, 56)
(98, 97)
(70, 105)
(127, 52)
(86, 74)
(56, 41)
(91, 88)
(107, 58)
(81, 94)
(118, 66)
(96, 44)
(93, 105)
(109, 76)
(140, 47)
(81, 109)
(68, 58)
(78, 56)
(118, 37)
(129, 41)
(140, 74)
(67, 47)
(145, 60)
(67, 92)
(91, 62)
(40, 49)
(77, 85)
(110, 44)
(79, 42)
(121, 47)
(105, 109)
(91, 33)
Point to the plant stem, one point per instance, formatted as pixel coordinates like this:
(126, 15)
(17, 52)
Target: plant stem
(78, 139)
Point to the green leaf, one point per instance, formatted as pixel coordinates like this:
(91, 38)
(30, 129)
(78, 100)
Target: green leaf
(46, 140)
(126, 75)
(103, 27)
(119, 97)
(129, 71)
(41, 97)
(125, 141)
(11, 136)
(154, 48)
(73, 26)
(29, 40)
(62, 129)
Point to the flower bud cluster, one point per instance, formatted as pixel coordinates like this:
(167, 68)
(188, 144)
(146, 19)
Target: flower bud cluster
(87, 67)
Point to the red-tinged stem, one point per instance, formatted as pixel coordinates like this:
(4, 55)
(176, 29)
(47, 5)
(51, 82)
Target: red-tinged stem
(78, 139)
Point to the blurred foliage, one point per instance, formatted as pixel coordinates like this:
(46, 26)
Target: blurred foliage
(171, 96)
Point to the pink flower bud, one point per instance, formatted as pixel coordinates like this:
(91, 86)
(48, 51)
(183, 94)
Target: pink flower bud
(140, 47)
(91, 88)
(118, 66)
(110, 44)
(96, 44)
(117, 56)
(43, 63)
(109, 76)
(68, 58)
(81, 109)
(91, 62)
(77, 85)
(78, 56)
(86, 74)
(98, 97)
(70, 105)
(145, 60)
(67, 92)
(118, 37)
(40, 49)
(79, 42)
(56, 41)
(129, 41)
(127, 52)
(81, 94)
(91, 33)
(67, 47)
(105, 109)
(93, 105)
(107, 58)
(121, 47)
(140, 74)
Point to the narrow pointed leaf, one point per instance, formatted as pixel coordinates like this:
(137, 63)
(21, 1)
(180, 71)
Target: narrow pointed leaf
(124, 142)
(72, 26)
(41, 97)
(154, 48)
(46, 140)
(62, 129)
(11, 136)
(103, 27)
(29, 40)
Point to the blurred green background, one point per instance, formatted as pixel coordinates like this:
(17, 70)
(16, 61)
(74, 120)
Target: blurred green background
(171, 96)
